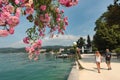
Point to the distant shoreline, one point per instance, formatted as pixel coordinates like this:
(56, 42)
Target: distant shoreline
(18, 50)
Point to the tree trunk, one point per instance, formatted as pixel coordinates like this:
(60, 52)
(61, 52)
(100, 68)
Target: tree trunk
(77, 57)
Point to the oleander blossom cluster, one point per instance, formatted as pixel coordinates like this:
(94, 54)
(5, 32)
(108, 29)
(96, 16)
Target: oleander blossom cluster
(68, 3)
(9, 18)
(43, 14)
(34, 49)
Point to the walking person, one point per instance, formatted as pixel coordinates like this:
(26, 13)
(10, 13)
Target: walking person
(108, 59)
(98, 59)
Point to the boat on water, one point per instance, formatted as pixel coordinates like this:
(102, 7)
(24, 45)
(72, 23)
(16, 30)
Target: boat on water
(62, 56)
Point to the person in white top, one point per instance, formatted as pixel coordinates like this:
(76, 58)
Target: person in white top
(98, 59)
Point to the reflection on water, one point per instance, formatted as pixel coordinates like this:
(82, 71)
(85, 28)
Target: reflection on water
(16, 66)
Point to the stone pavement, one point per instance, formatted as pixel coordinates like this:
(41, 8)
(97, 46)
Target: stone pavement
(90, 71)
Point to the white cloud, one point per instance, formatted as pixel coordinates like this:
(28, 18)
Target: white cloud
(65, 40)
(17, 44)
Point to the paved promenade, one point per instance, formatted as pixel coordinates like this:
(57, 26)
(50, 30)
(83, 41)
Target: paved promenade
(90, 71)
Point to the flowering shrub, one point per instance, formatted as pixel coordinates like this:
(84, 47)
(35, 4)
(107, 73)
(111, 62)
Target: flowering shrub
(42, 13)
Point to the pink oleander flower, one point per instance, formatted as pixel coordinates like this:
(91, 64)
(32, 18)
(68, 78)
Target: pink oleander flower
(13, 21)
(5, 15)
(62, 11)
(58, 27)
(43, 7)
(45, 18)
(0, 1)
(60, 31)
(36, 58)
(3, 8)
(39, 42)
(17, 1)
(57, 10)
(10, 8)
(66, 20)
(27, 49)
(29, 10)
(4, 33)
(41, 17)
(58, 15)
(63, 2)
(68, 3)
(2, 22)
(35, 45)
(64, 27)
(66, 23)
(34, 49)
(41, 33)
(11, 30)
(27, 5)
(18, 11)
(55, 28)
(37, 52)
(58, 19)
(46, 15)
(5, 1)
(31, 49)
(75, 2)
(26, 40)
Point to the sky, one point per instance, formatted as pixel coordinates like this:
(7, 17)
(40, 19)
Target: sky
(81, 19)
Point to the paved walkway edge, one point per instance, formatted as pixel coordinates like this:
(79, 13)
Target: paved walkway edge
(90, 71)
(74, 74)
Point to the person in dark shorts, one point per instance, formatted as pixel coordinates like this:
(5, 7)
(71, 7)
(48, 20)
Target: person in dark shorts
(108, 59)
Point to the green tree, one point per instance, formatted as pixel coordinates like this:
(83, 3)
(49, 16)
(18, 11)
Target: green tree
(113, 15)
(108, 29)
(80, 42)
(88, 42)
(115, 1)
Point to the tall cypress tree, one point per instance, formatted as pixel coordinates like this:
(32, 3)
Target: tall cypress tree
(88, 41)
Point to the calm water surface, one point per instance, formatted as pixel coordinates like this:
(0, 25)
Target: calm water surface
(16, 66)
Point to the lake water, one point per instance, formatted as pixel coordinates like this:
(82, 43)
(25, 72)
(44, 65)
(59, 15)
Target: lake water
(16, 66)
